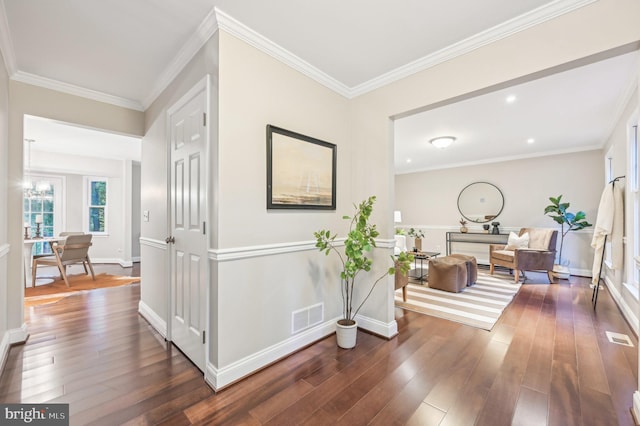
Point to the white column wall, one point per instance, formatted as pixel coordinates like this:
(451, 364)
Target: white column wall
(5, 300)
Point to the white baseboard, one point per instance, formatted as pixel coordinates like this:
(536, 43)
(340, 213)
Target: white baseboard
(135, 259)
(11, 337)
(219, 378)
(18, 335)
(154, 319)
(121, 262)
(627, 312)
(4, 350)
(636, 406)
(386, 330)
(581, 272)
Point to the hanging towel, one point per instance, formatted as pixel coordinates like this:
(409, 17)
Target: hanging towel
(609, 224)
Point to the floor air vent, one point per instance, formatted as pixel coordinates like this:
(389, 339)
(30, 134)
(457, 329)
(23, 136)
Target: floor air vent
(307, 317)
(620, 339)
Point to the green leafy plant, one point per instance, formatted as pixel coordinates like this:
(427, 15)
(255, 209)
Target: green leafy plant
(416, 233)
(568, 221)
(400, 231)
(360, 240)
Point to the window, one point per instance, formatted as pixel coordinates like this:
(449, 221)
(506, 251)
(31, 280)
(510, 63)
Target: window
(43, 209)
(96, 212)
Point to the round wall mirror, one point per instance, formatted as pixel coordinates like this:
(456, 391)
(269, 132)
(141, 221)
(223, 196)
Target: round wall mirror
(480, 202)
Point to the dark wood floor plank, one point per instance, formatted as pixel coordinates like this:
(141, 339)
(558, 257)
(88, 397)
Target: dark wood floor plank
(409, 383)
(426, 415)
(272, 406)
(597, 408)
(538, 372)
(547, 361)
(564, 396)
(408, 389)
(304, 408)
(475, 391)
(399, 356)
(500, 404)
(531, 408)
(445, 393)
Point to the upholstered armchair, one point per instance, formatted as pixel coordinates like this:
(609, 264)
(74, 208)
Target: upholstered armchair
(538, 255)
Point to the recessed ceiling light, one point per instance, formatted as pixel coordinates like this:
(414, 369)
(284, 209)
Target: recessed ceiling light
(408, 160)
(511, 99)
(531, 140)
(442, 141)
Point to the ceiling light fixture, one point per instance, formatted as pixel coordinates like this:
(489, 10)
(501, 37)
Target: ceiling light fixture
(531, 140)
(442, 141)
(511, 99)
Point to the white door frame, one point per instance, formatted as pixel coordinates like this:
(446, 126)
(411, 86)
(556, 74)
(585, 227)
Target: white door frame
(203, 85)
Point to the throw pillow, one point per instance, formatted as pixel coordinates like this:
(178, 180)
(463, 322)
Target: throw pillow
(516, 242)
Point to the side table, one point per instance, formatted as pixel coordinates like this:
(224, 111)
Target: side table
(422, 256)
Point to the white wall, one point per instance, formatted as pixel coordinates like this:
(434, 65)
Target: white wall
(256, 90)
(429, 199)
(262, 263)
(136, 212)
(153, 176)
(114, 247)
(617, 281)
(4, 185)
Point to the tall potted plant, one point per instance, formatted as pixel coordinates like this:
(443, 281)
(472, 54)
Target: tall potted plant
(358, 243)
(568, 222)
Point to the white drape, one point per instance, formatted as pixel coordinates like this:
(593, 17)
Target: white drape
(609, 224)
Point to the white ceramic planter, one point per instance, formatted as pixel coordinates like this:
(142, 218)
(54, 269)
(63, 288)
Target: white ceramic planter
(561, 272)
(346, 334)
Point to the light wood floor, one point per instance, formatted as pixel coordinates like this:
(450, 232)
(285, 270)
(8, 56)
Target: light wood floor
(547, 361)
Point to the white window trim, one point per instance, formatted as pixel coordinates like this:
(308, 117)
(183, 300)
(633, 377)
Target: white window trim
(85, 205)
(59, 203)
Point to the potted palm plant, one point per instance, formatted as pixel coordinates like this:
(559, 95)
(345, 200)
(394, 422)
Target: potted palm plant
(568, 222)
(358, 243)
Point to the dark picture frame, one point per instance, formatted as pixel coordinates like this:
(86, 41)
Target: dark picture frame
(301, 171)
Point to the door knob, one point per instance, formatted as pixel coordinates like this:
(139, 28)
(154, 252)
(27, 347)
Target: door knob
(170, 240)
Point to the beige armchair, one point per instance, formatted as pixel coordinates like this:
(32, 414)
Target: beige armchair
(74, 250)
(538, 256)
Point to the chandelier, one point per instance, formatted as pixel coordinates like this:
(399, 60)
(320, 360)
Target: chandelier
(33, 189)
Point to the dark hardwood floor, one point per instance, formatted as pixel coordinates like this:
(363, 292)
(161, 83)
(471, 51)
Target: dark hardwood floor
(547, 361)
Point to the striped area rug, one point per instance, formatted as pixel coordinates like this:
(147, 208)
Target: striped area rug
(479, 306)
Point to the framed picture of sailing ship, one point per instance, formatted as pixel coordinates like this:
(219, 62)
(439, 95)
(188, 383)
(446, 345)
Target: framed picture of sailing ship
(301, 171)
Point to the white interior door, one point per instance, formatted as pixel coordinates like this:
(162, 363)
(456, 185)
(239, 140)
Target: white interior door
(187, 217)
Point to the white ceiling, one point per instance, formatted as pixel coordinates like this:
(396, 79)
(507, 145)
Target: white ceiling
(125, 52)
(570, 111)
(54, 136)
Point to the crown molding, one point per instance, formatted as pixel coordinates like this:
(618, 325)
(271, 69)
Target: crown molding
(251, 37)
(204, 32)
(217, 19)
(71, 89)
(6, 44)
(503, 30)
(500, 159)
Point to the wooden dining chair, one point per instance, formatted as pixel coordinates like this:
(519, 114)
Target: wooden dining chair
(74, 250)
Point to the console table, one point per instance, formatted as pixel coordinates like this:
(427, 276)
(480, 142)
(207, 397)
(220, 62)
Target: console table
(475, 238)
